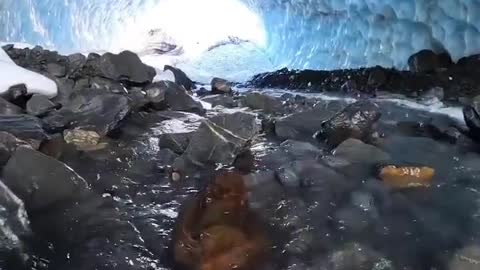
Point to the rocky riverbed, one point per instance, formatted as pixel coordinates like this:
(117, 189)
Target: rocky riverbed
(103, 176)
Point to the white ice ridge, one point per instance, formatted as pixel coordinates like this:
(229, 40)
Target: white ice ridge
(352, 33)
(11, 74)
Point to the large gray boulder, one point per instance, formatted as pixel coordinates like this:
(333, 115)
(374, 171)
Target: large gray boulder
(355, 121)
(39, 180)
(125, 67)
(211, 145)
(90, 110)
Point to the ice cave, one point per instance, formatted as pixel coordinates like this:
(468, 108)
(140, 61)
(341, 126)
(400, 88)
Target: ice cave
(240, 134)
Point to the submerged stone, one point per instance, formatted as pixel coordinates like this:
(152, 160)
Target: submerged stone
(355, 121)
(407, 177)
(221, 86)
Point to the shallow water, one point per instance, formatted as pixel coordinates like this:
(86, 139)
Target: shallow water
(343, 218)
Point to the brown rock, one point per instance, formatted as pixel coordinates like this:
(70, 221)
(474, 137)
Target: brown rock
(217, 230)
(407, 177)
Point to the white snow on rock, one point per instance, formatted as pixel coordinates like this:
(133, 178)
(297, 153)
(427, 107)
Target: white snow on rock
(11, 74)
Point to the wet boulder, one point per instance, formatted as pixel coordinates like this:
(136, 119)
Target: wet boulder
(125, 67)
(302, 125)
(221, 86)
(220, 100)
(107, 85)
(7, 108)
(423, 61)
(176, 97)
(176, 129)
(14, 225)
(266, 103)
(90, 110)
(155, 96)
(25, 127)
(39, 180)
(311, 174)
(472, 119)
(356, 151)
(238, 121)
(17, 94)
(300, 150)
(180, 77)
(209, 146)
(355, 121)
(39, 105)
(8, 145)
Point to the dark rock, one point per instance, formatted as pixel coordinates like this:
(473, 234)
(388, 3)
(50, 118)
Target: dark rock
(156, 96)
(300, 150)
(39, 105)
(220, 86)
(423, 61)
(107, 85)
(209, 146)
(125, 67)
(355, 121)
(17, 94)
(75, 65)
(445, 60)
(176, 97)
(14, 225)
(166, 157)
(180, 77)
(472, 119)
(90, 110)
(8, 108)
(351, 219)
(202, 92)
(8, 145)
(240, 122)
(65, 90)
(39, 180)
(377, 77)
(25, 127)
(302, 125)
(311, 174)
(356, 151)
(220, 100)
(176, 130)
(469, 62)
(56, 69)
(266, 103)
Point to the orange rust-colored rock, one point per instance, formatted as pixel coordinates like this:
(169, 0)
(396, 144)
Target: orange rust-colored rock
(407, 177)
(217, 230)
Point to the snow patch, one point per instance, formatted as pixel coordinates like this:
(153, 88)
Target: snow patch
(11, 74)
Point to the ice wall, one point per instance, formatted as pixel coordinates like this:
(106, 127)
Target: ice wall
(330, 34)
(320, 34)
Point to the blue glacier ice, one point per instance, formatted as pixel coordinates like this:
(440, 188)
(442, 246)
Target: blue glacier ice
(317, 34)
